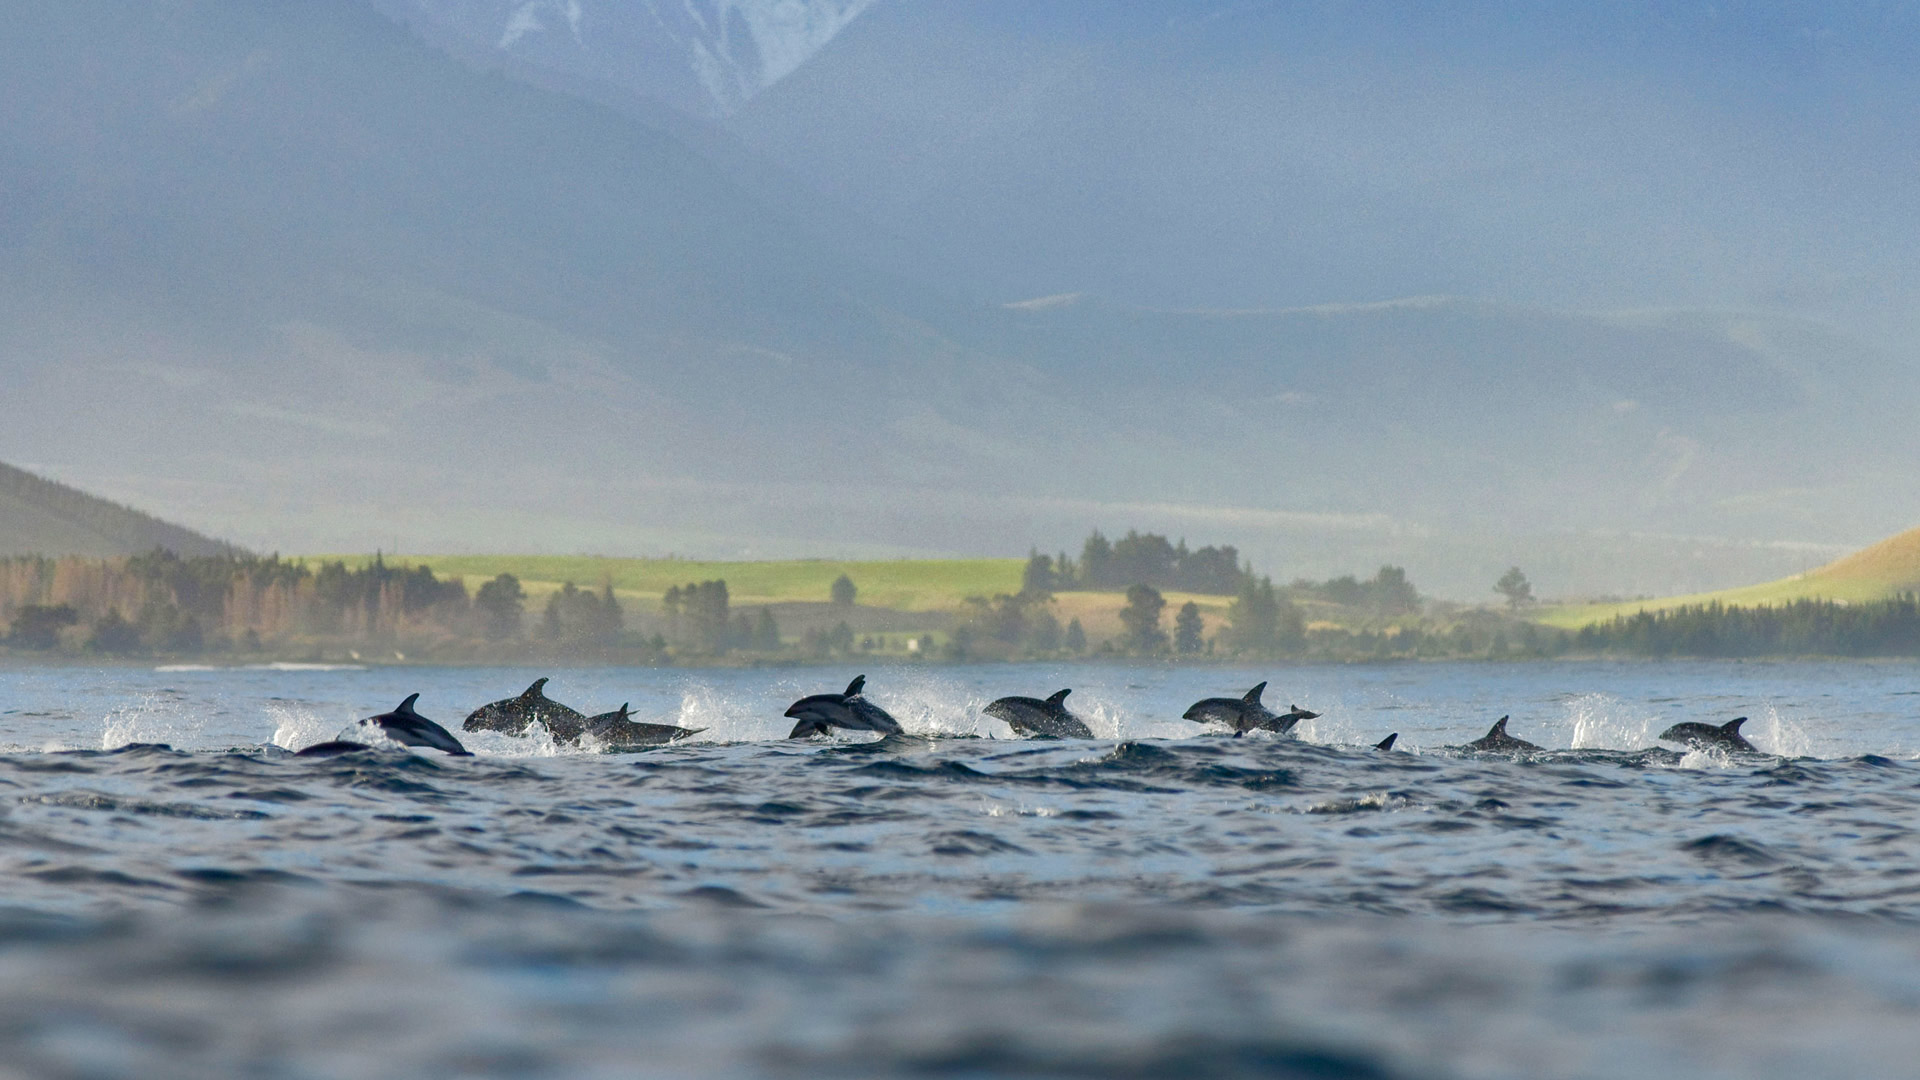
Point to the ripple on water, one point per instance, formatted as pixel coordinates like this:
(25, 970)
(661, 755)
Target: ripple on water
(961, 904)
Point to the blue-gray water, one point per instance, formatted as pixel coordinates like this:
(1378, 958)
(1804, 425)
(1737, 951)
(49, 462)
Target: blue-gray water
(1161, 901)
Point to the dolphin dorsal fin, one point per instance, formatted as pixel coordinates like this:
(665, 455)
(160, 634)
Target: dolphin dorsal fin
(856, 687)
(1732, 727)
(407, 705)
(1059, 698)
(1499, 727)
(1253, 695)
(1386, 743)
(538, 689)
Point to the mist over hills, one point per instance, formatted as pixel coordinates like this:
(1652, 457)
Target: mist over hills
(296, 276)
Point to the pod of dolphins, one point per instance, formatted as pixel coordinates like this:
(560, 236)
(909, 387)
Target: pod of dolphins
(822, 714)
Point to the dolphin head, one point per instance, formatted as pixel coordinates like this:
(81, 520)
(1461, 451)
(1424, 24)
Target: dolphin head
(825, 708)
(1223, 710)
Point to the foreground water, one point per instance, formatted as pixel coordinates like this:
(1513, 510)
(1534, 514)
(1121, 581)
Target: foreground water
(1157, 902)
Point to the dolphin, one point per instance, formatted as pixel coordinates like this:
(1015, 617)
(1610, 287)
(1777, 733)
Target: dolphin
(1032, 716)
(821, 713)
(619, 733)
(514, 715)
(1244, 714)
(1497, 741)
(331, 749)
(403, 725)
(1386, 743)
(1708, 737)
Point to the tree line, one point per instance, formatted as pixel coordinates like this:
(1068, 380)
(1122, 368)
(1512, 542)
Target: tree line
(1137, 559)
(1881, 628)
(167, 603)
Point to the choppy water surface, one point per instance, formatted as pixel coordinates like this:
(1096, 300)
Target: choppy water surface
(1157, 902)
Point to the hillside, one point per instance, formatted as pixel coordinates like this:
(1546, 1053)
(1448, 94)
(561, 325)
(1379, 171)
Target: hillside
(41, 517)
(1876, 572)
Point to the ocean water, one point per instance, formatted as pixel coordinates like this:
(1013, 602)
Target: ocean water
(183, 897)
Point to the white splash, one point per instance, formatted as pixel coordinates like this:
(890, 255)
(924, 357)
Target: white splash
(298, 726)
(1772, 733)
(703, 706)
(154, 718)
(1605, 722)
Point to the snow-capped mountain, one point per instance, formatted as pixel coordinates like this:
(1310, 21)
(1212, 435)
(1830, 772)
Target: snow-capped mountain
(708, 57)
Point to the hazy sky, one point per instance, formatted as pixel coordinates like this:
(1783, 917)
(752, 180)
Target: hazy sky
(286, 274)
(1213, 154)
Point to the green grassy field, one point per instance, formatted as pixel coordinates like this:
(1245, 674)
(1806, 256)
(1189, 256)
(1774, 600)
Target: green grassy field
(900, 584)
(1882, 570)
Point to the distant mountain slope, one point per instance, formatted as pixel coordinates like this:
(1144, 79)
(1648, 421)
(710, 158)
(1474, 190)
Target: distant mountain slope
(1876, 572)
(41, 517)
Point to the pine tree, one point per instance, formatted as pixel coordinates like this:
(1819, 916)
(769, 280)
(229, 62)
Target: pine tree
(1515, 587)
(844, 591)
(1188, 630)
(1141, 617)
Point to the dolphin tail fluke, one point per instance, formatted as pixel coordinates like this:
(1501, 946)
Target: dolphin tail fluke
(1059, 698)
(1253, 695)
(1386, 743)
(857, 687)
(1732, 727)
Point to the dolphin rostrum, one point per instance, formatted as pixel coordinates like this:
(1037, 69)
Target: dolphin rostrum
(1032, 716)
(512, 716)
(617, 732)
(403, 725)
(821, 713)
(1244, 714)
(1497, 741)
(1708, 737)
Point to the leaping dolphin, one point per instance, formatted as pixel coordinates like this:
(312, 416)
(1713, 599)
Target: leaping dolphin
(617, 732)
(512, 716)
(1032, 716)
(1708, 737)
(403, 725)
(1244, 714)
(821, 713)
(1497, 741)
